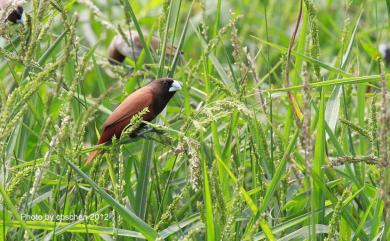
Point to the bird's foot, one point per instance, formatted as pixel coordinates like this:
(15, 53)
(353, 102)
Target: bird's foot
(146, 131)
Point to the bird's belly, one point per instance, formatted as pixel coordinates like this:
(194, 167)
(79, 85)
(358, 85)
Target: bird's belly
(132, 51)
(117, 128)
(113, 130)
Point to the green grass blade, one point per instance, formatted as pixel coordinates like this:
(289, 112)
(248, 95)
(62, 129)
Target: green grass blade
(278, 174)
(127, 215)
(216, 63)
(318, 200)
(141, 201)
(388, 10)
(345, 81)
(307, 58)
(76, 228)
(14, 211)
(129, 10)
(210, 230)
(178, 54)
(377, 217)
(164, 43)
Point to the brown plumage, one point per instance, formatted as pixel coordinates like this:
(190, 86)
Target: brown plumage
(154, 96)
(119, 49)
(15, 12)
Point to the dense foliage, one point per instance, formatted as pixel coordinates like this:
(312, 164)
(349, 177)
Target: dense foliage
(281, 130)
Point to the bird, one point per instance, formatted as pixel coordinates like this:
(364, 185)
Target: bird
(384, 49)
(154, 96)
(119, 49)
(14, 16)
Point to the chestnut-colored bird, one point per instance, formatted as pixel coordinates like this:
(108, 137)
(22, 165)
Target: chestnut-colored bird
(119, 49)
(14, 10)
(154, 96)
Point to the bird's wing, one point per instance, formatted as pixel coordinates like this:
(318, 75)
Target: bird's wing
(169, 49)
(154, 43)
(133, 104)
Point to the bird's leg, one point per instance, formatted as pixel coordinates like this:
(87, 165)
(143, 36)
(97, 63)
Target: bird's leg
(162, 139)
(140, 132)
(157, 131)
(144, 131)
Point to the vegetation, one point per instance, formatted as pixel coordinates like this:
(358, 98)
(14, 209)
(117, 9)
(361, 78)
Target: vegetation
(281, 130)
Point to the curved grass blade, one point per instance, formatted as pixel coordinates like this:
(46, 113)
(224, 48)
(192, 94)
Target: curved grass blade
(252, 206)
(303, 233)
(388, 10)
(317, 196)
(181, 43)
(307, 58)
(127, 215)
(14, 211)
(217, 65)
(210, 230)
(164, 44)
(76, 228)
(278, 174)
(333, 104)
(345, 81)
(141, 201)
(172, 229)
(130, 13)
(46, 54)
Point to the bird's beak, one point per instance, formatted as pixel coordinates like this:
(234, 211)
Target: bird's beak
(21, 20)
(382, 48)
(175, 86)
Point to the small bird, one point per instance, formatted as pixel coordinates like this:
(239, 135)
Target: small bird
(384, 49)
(16, 15)
(119, 49)
(154, 96)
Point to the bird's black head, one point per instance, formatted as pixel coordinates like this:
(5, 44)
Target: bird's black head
(163, 90)
(16, 15)
(168, 85)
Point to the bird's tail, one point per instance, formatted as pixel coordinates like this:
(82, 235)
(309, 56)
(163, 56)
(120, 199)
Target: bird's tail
(92, 156)
(106, 136)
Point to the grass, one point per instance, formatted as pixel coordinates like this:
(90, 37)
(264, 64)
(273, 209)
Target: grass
(279, 133)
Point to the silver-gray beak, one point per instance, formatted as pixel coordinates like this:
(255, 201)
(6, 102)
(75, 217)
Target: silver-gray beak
(175, 86)
(21, 20)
